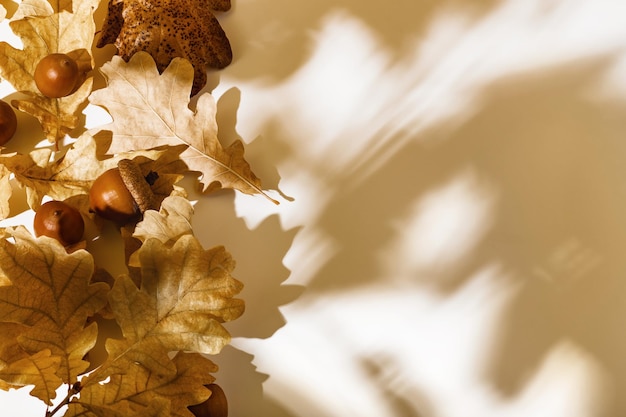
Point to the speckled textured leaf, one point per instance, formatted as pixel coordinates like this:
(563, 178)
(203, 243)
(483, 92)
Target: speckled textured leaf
(167, 29)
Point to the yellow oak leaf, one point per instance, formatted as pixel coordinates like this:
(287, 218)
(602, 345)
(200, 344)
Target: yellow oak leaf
(18, 369)
(132, 392)
(50, 294)
(151, 109)
(39, 370)
(43, 30)
(167, 29)
(185, 295)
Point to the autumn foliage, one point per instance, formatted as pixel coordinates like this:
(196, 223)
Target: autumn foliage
(171, 305)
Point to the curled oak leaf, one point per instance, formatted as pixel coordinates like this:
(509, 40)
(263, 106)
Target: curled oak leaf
(151, 109)
(132, 392)
(51, 294)
(73, 173)
(167, 29)
(71, 31)
(186, 294)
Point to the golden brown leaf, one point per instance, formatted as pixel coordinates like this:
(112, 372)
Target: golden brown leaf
(132, 392)
(19, 369)
(167, 29)
(150, 110)
(186, 294)
(42, 32)
(38, 370)
(50, 294)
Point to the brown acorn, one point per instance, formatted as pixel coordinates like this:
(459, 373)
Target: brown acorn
(60, 221)
(56, 75)
(122, 194)
(8, 122)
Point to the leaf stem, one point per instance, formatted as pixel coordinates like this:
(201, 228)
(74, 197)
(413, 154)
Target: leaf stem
(71, 392)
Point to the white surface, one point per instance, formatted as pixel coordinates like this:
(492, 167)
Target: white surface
(454, 247)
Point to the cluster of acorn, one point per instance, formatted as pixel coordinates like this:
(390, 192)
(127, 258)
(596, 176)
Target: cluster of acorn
(121, 194)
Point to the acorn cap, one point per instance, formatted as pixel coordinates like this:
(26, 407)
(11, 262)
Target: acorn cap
(136, 183)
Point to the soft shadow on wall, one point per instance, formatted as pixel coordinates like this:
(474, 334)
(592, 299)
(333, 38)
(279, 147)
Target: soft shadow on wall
(542, 155)
(556, 153)
(273, 39)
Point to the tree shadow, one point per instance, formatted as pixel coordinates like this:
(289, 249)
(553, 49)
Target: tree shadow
(271, 40)
(555, 152)
(554, 155)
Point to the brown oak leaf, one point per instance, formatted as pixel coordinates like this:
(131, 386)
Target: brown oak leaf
(151, 109)
(185, 295)
(167, 29)
(133, 392)
(51, 297)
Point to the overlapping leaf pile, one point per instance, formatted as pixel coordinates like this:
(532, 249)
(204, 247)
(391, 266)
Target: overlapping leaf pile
(171, 304)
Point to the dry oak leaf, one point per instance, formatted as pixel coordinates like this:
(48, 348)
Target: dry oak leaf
(38, 370)
(73, 172)
(151, 109)
(18, 369)
(172, 221)
(52, 296)
(69, 30)
(6, 190)
(133, 392)
(186, 294)
(167, 29)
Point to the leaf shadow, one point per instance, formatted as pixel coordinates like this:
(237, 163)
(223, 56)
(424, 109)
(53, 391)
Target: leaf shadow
(259, 256)
(556, 155)
(273, 47)
(243, 385)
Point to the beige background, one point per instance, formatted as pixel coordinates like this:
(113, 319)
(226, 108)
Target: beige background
(451, 237)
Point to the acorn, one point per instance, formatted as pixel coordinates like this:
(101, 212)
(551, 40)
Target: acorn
(58, 220)
(8, 122)
(215, 406)
(56, 75)
(123, 194)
